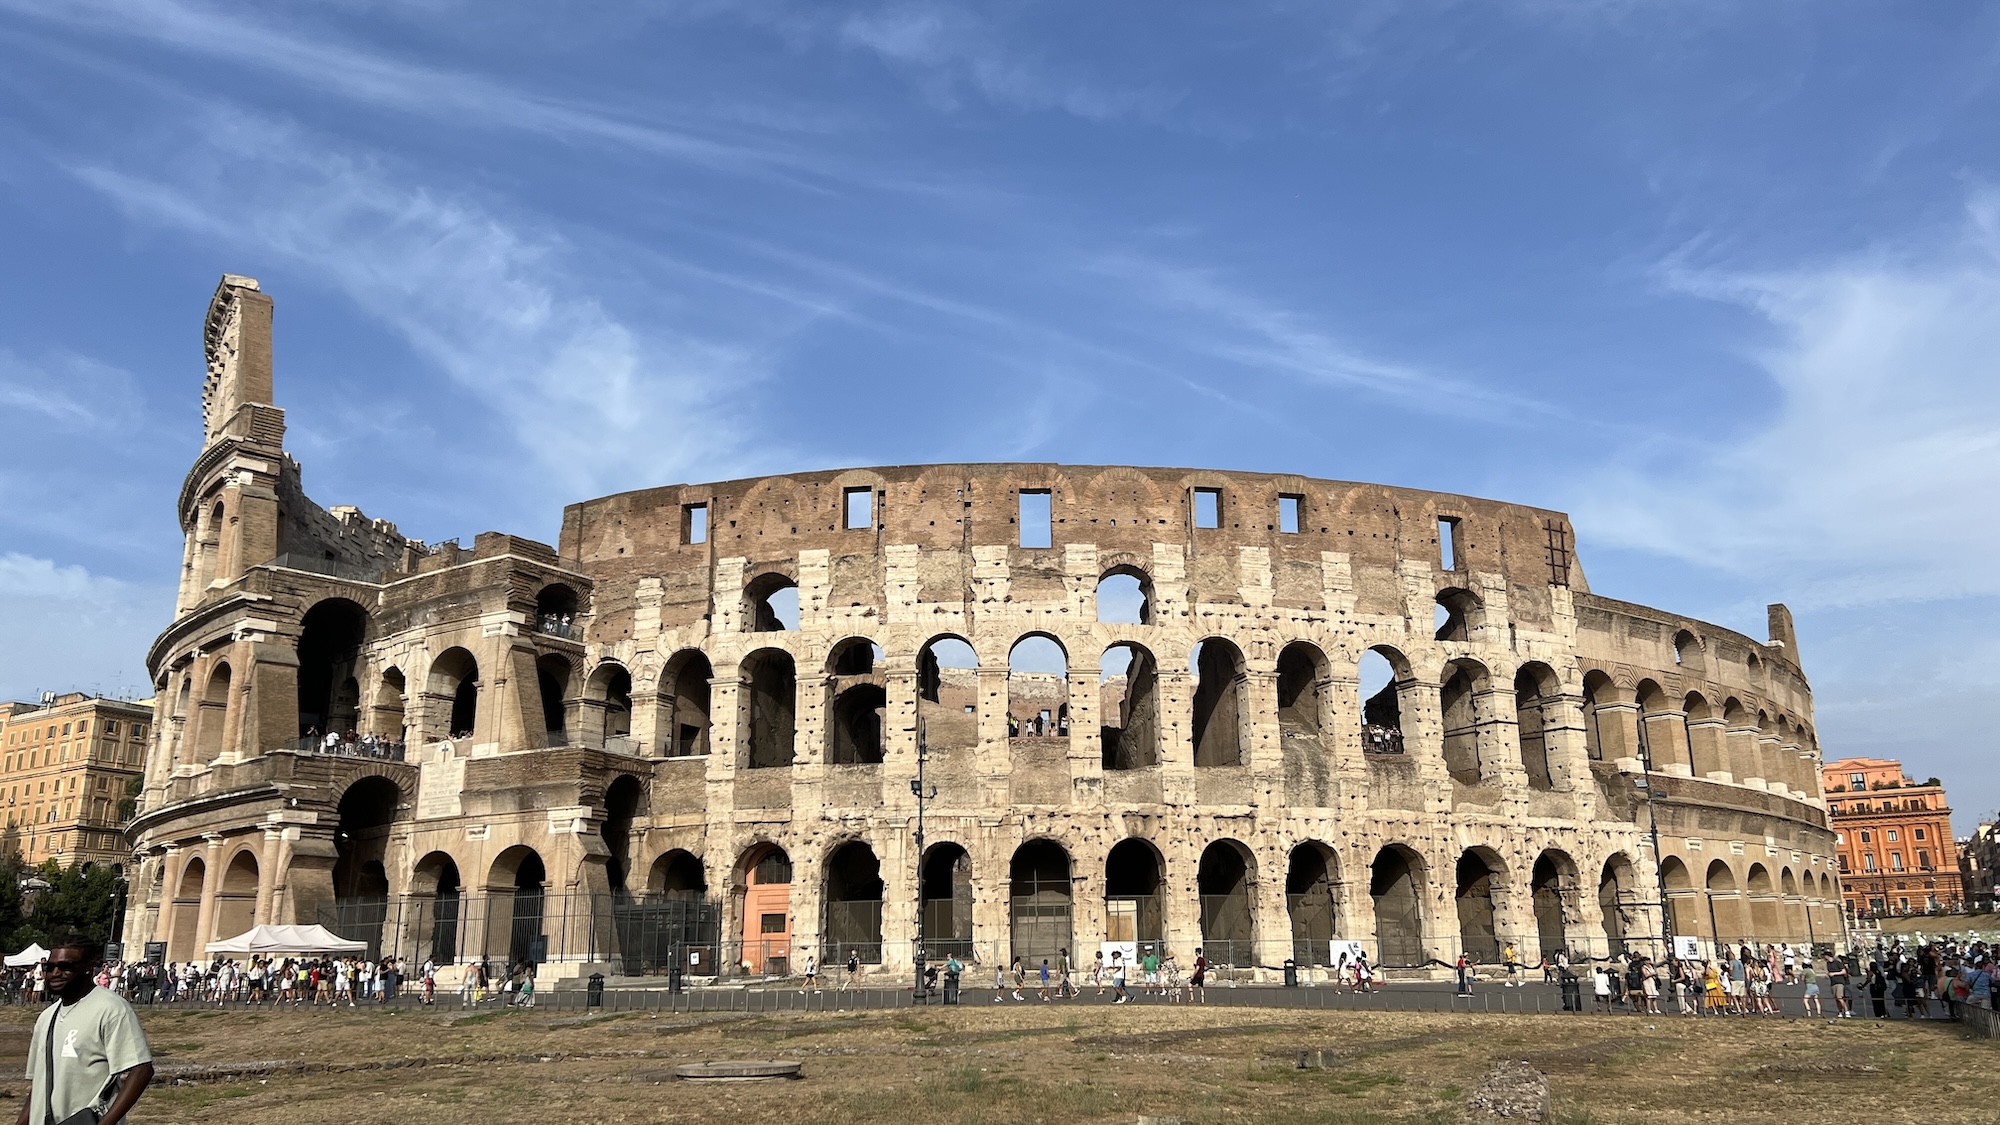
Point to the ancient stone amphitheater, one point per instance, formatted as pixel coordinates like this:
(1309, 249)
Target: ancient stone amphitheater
(1257, 714)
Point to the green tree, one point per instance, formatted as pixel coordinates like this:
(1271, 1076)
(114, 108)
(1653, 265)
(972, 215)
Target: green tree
(79, 899)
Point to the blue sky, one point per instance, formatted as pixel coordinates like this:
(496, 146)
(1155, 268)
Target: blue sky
(1720, 280)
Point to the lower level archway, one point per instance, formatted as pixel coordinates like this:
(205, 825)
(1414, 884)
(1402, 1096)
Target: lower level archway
(1039, 901)
(1553, 883)
(1309, 900)
(1223, 880)
(947, 902)
(1396, 884)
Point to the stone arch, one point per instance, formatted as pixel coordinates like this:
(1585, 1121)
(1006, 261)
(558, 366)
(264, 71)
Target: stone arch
(1660, 737)
(764, 872)
(677, 874)
(771, 603)
(387, 713)
(1134, 894)
(624, 802)
(1689, 654)
(770, 685)
(1303, 670)
(1537, 689)
(1312, 901)
(1702, 731)
(1039, 902)
(454, 680)
(1037, 687)
(1396, 883)
(1724, 902)
(236, 895)
(439, 890)
(552, 682)
(184, 913)
(331, 635)
(1762, 892)
(212, 720)
(946, 892)
(948, 693)
(1553, 886)
(519, 879)
(1458, 611)
(1740, 735)
(1482, 879)
(852, 903)
(1220, 706)
(1125, 595)
(1464, 705)
(1128, 707)
(608, 691)
(1226, 881)
(555, 609)
(688, 673)
(1685, 915)
(1382, 707)
(856, 701)
(1603, 738)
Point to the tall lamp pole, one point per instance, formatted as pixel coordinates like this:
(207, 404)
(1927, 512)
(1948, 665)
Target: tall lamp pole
(1653, 828)
(923, 794)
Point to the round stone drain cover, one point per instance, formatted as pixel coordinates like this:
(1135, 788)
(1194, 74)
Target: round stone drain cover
(738, 1070)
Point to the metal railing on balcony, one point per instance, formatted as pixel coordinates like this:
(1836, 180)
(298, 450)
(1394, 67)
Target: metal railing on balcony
(364, 747)
(1381, 740)
(555, 626)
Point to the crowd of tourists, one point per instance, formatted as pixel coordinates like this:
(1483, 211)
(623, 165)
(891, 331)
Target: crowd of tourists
(351, 744)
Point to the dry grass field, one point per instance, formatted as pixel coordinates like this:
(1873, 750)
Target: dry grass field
(1045, 1063)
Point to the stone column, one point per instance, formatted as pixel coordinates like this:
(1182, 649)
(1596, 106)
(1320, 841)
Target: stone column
(1742, 740)
(1705, 743)
(211, 881)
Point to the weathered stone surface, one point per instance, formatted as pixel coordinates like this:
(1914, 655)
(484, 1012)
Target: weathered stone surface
(1513, 1093)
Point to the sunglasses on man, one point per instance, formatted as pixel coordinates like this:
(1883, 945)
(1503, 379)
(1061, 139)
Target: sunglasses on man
(64, 966)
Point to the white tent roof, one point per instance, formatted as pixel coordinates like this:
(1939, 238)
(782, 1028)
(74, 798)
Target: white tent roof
(287, 939)
(33, 955)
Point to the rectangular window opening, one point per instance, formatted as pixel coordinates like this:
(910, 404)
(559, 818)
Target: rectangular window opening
(859, 504)
(1288, 514)
(1208, 507)
(1447, 543)
(697, 523)
(1035, 515)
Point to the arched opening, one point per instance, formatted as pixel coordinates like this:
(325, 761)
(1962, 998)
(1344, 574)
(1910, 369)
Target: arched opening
(552, 679)
(555, 611)
(1311, 902)
(624, 799)
(853, 898)
(1038, 901)
(1763, 904)
(1796, 921)
(1457, 610)
(1125, 596)
(1037, 688)
(330, 638)
(1302, 668)
(435, 882)
(236, 897)
(1684, 913)
(455, 677)
(1724, 905)
(519, 878)
(767, 909)
(1218, 703)
(1128, 707)
(1661, 741)
(948, 694)
(677, 875)
(947, 902)
(856, 702)
(1132, 900)
(1704, 733)
(771, 604)
(1599, 690)
(1535, 692)
(770, 681)
(1461, 705)
(1739, 740)
(183, 943)
(388, 708)
(689, 674)
(1396, 884)
(1688, 651)
(610, 692)
(1223, 881)
(1479, 874)
(361, 841)
(1553, 883)
(1383, 674)
(212, 719)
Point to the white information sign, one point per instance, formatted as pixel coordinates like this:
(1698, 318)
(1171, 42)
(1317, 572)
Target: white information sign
(1130, 950)
(1687, 948)
(1342, 953)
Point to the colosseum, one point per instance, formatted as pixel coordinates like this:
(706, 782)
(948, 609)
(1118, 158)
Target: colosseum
(1263, 715)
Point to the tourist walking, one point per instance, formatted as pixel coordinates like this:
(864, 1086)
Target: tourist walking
(1020, 976)
(1198, 983)
(1118, 977)
(1836, 979)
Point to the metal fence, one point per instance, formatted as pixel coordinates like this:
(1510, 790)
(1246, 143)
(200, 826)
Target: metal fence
(637, 934)
(376, 751)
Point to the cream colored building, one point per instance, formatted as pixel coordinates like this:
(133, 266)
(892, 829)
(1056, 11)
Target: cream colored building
(65, 765)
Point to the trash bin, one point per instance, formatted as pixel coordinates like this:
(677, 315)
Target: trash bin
(674, 979)
(1572, 990)
(595, 991)
(1291, 973)
(951, 988)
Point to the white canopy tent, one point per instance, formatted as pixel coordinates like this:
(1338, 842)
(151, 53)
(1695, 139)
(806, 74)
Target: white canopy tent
(33, 955)
(287, 939)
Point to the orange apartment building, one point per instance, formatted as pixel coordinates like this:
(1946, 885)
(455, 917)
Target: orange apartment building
(1893, 836)
(65, 764)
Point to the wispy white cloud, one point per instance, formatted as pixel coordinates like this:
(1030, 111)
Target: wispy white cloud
(69, 392)
(63, 621)
(495, 302)
(1875, 479)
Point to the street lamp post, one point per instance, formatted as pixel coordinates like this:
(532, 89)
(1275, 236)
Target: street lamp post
(923, 794)
(1653, 828)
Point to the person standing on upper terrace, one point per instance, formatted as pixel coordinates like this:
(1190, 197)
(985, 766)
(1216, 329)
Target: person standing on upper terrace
(87, 1052)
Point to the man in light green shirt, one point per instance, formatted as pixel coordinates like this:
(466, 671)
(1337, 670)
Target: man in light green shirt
(87, 1051)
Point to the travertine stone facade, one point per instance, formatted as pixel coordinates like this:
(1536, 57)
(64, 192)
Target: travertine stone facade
(653, 644)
